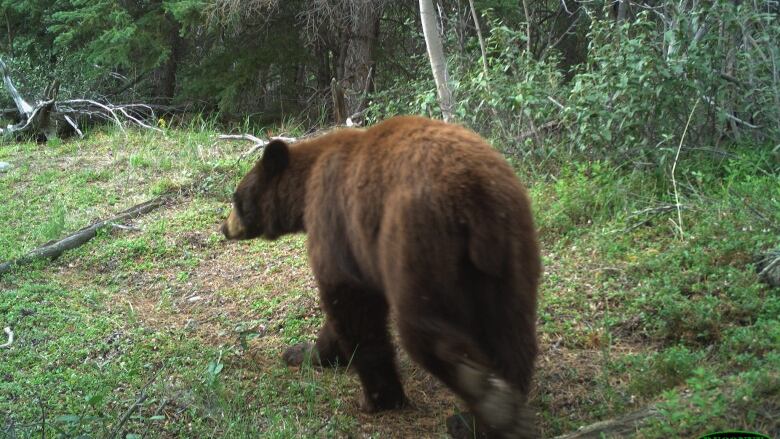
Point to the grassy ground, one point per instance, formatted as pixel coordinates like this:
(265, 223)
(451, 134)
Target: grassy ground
(179, 334)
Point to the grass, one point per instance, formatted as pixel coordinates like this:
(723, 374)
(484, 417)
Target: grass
(632, 312)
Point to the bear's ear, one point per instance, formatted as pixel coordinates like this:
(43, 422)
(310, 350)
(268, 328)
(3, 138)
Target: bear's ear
(276, 157)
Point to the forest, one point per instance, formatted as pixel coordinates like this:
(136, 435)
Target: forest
(647, 133)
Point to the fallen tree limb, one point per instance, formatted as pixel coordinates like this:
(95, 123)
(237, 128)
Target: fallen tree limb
(10, 335)
(142, 397)
(768, 268)
(22, 106)
(80, 237)
(551, 125)
(50, 118)
(624, 426)
(258, 143)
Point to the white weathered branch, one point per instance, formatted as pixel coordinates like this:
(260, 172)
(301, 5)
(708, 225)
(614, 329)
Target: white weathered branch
(10, 335)
(103, 107)
(48, 114)
(437, 59)
(22, 105)
(728, 114)
(258, 143)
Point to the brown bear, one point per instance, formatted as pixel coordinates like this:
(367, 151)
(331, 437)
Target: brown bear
(424, 220)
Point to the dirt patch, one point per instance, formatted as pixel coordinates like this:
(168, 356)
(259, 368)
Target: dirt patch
(216, 300)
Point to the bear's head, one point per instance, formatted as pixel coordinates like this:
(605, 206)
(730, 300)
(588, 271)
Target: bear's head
(257, 202)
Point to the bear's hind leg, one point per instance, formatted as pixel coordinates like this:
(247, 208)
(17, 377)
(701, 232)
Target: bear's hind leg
(326, 352)
(359, 319)
(450, 355)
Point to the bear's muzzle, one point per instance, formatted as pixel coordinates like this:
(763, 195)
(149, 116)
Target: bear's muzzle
(232, 227)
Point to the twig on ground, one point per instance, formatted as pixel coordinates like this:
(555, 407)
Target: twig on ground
(43, 417)
(141, 398)
(764, 217)
(258, 143)
(650, 213)
(10, 335)
(123, 227)
(321, 426)
(557, 104)
(535, 132)
(619, 427)
(156, 413)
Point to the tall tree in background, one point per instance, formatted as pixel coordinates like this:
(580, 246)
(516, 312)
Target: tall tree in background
(343, 35)
(436, 55)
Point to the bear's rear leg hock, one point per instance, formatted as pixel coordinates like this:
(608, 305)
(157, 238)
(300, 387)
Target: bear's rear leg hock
(499, 408)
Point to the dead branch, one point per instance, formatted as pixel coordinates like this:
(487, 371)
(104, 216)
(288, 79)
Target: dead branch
(141, 399)
(21, 105)
(49, 117)
(624, 426)
(679, 222)
(768, 268)
(258, 143)
(82, 236)
(728, 114)
(650, 213)
(534, 131)
(482, 49)
(10, 335)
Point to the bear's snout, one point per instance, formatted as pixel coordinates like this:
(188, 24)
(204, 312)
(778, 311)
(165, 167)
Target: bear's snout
(232, 227)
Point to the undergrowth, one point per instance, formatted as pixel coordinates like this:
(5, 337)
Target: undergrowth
(166, 321)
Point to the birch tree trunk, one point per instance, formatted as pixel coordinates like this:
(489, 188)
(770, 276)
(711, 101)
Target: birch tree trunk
(436, 55)
(479, 36)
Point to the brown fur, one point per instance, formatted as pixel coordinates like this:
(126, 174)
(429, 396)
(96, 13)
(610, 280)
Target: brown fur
(423, 219)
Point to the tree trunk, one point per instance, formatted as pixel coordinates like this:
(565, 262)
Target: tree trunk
(359, 60)
(10, 34)
(324, 73)
(436, 55)
(167, 87)
(339, 106)
(479, 36)
(622, 10)
(527, 13)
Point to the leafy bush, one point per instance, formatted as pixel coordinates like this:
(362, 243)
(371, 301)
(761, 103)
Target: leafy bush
(627, 98)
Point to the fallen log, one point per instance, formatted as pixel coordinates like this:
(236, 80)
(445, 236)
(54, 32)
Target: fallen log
(624, 426)
(82, 236)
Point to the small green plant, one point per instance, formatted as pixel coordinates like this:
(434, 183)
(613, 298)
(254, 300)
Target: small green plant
(214, 368)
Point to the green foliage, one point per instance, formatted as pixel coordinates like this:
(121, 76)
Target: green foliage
(627, 99)
(581, 82)
(630, 99)
(620, 281)
(631, 313)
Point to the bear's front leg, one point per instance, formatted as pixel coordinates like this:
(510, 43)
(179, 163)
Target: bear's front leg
(358, 317)
(326, 352)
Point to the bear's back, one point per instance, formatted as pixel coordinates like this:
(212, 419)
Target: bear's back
(414, 173)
